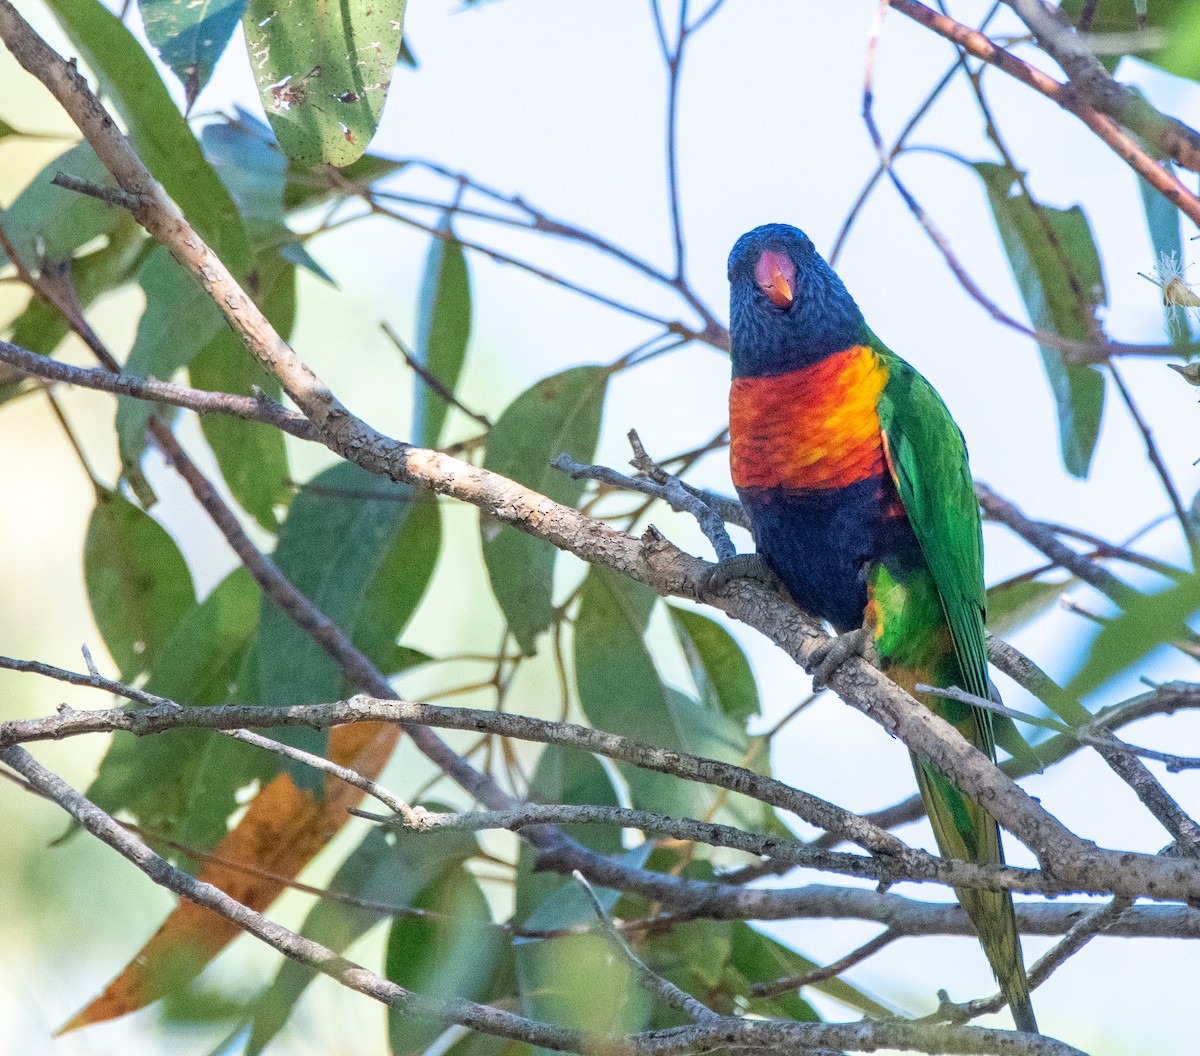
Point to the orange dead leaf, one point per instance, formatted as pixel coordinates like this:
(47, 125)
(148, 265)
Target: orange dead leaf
(282, 830)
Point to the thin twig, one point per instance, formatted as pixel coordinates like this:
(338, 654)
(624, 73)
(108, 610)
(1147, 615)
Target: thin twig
(1160, 467)
(1044, 539)
(259, 408)
(830, 971)
(1122, 143)
(650, 980)
(430, 379)
(672, 491)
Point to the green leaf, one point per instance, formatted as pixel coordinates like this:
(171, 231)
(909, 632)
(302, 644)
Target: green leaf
(1010, 606)
(157, 130)
(1162, 220)
(564, 776)
(252, 457)
(443, 329)
(191, 36)
(49, 223)
(390, 867)
(253, 168)
(244, 152)
(137, 582)
(179, 320)
(1057, 269)
(332, 546)
(395, 593)
(718, 665)
(323, 72)
(1149, 620)
(451, 955)
(183, 783)
(558, 414)
(576, 982)
(760, 959)
(621, 691)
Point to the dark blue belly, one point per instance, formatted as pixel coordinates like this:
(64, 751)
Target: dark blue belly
(821, 543)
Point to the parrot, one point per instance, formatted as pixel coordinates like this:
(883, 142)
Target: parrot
(861, 503)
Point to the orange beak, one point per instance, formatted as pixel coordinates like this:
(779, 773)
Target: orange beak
(776, 277)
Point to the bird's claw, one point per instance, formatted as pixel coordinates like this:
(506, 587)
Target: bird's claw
(740, 566)
(829, 656)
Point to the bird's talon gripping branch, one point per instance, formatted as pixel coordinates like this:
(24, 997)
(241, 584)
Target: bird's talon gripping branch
(741, 566)
(828, 657)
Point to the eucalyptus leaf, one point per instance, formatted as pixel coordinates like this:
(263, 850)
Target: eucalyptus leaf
(47, 222)
(191, 36)
(390, 867)
(1148, 622)
(450, 954)
(179, 320)
(183, 784)
(443, 329)
(338, 534)
(621, 691)
(137, 582)
(1057, 270)
(719, 667)
(323, 72)
(558, 414)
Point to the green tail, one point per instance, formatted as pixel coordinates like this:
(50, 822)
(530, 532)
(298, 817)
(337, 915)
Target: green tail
(915, 644)
(967, 832)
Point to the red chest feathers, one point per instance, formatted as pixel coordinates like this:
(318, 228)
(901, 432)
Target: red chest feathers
(811, 429)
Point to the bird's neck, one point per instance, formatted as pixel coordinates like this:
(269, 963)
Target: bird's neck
(824, 322)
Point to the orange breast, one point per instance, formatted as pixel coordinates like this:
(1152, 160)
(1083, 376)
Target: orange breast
(814, 428)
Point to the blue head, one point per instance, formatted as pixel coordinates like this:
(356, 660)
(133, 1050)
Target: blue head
(787, 308)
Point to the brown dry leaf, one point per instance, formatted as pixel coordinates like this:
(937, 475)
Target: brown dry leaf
(281, 832)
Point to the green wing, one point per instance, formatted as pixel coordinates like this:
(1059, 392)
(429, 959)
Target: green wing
(928, 459)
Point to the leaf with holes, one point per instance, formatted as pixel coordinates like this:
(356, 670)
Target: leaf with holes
(323, 72)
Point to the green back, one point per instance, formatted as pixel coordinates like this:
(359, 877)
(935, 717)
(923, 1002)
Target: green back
(928, 458)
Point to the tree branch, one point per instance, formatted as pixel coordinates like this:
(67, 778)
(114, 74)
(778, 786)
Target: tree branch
(1093, 86)
(1125, 146)
(1077, 865)
(258, 408)
(702, 1037)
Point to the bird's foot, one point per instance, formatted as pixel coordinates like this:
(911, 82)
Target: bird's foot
(829, 656)
(741, 566)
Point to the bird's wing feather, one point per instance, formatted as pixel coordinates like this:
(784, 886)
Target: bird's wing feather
(928, 461)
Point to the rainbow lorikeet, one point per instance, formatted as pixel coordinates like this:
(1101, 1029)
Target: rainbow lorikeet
(860, 499)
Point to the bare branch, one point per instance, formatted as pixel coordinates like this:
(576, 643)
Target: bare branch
(1078, 865)
(671, 490)
(259, 408)
(1043, 538)
(430, 379)
(1091, 85)
(702, 1037)
(1124, 145)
